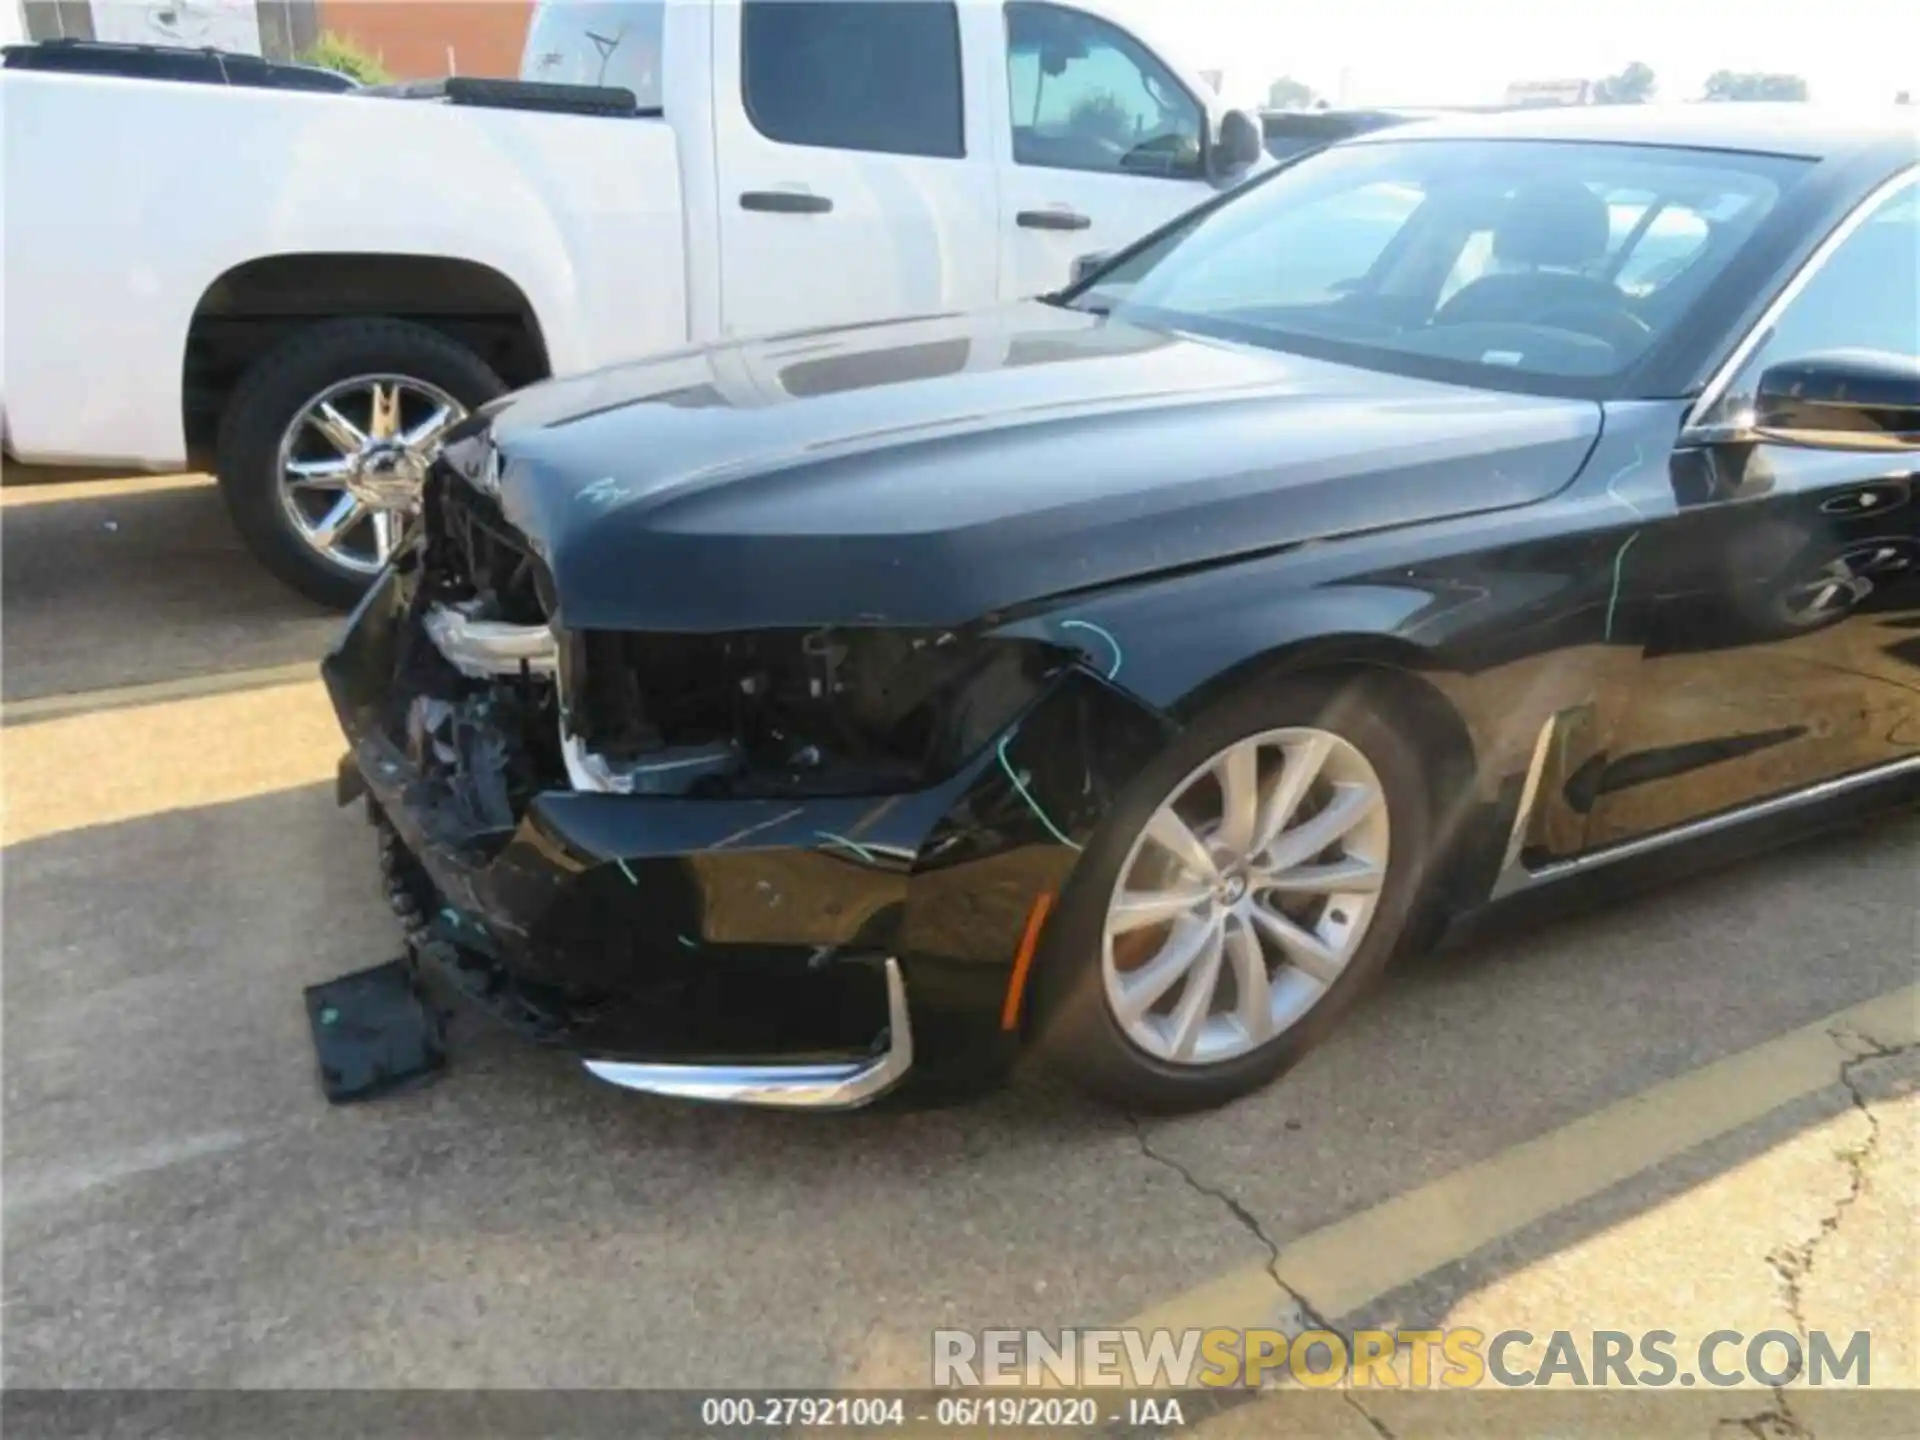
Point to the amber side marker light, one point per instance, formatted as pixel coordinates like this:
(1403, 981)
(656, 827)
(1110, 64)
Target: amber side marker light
(1023, 959)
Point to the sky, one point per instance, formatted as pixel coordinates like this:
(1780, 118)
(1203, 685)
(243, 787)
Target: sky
(1464, 52)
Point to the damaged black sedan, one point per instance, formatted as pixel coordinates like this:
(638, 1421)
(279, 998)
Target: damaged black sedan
(1127, 675)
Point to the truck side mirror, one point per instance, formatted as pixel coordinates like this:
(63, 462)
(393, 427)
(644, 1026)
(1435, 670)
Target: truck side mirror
(1237, 146)
(1085, 265)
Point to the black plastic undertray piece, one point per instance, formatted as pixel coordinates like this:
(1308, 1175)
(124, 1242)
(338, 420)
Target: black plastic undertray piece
(373, 1033)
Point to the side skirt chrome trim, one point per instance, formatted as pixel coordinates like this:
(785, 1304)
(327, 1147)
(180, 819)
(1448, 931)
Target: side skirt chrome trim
(1710, 825)
(845, 1086)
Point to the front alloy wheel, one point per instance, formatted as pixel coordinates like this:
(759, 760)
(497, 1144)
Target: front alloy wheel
(1245, 896)
(1239, 896)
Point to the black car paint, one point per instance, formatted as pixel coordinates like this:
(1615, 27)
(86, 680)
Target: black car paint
(1034, 461)
(944, 879)
(1594, 572)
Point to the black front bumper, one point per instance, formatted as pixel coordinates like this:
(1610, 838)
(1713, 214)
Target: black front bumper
(717, 935)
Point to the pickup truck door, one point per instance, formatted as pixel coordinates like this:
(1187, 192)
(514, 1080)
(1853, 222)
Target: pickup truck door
(854, 182)
(1107, 143)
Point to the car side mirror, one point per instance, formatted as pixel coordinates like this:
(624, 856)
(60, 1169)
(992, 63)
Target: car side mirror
(1237, 146)
(1842, 400)
(1085, 265)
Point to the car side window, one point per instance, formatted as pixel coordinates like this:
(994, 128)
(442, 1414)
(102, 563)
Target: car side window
(878, 75)
(1086, 95)
(1866, 296)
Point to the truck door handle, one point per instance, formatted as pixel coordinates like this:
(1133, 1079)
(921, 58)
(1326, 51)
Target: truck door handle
(786, 202)
(1053, 220)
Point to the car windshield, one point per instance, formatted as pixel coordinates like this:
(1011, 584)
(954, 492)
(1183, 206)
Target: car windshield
(598, 42)
(1512, 264)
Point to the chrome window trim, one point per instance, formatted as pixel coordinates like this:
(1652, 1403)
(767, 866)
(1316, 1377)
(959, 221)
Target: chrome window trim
(1762, 328)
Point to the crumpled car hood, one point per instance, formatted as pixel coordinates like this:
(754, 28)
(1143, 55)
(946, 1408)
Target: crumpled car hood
(932, 472)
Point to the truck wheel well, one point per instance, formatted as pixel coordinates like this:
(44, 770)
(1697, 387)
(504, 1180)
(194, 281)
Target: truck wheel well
(252, 307)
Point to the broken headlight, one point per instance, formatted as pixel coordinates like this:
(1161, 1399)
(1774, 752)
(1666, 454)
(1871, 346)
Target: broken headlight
(789, 712)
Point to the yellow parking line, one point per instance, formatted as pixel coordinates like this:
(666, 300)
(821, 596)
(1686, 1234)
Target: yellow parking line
(53, 707)
(78, 772)
(52, 492)
(1346, 1265)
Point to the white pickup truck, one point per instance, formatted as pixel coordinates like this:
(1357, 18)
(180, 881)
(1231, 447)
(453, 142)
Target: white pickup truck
(304, 291)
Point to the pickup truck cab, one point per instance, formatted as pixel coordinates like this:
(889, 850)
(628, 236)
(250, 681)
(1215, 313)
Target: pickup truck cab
(306, 291)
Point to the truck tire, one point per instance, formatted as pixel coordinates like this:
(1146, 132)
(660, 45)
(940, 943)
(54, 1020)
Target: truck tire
(324, 442)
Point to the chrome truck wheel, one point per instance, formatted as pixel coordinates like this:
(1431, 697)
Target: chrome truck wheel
(352, 463)
(325, 441)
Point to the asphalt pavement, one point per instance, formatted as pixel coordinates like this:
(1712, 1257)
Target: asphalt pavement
(181, 1207)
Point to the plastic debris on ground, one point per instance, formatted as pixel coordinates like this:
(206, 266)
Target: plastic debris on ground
(373, 1033)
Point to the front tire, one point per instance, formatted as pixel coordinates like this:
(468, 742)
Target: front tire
(1245, 891)
(325, 440)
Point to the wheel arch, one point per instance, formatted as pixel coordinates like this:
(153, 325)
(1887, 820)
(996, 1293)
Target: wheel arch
(1386, 666)
(1183, 645)
(251, 306)
(1183, 648)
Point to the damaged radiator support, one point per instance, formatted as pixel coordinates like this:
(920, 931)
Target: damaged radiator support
(487, 649)
(481, 715)
(767, 714)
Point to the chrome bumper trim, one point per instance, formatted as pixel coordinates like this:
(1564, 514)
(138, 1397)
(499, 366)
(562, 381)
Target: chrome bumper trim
(845, 1086)
(485, 648)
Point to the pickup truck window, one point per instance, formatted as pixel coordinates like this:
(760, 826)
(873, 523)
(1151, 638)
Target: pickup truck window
(1088, 96)
(598, 42)
(881, 75)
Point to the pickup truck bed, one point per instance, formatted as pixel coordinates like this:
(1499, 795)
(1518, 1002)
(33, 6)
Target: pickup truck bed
(303, 291)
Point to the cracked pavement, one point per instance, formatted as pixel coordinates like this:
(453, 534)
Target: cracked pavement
(1807, 1223)
(181, 1208)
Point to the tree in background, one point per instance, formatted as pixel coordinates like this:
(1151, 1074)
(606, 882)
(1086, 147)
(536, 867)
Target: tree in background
(1632, 86)
(337, 52)
(1753, 85)
(1102, 116)
(1287, 93)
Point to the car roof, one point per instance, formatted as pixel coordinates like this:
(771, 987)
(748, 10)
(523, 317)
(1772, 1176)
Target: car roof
(1798, 129)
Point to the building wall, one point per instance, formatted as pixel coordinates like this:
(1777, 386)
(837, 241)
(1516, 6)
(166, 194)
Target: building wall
(58, 19)
(412, 37)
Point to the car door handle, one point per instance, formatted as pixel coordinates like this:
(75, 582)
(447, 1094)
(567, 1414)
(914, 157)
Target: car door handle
(1053, 220)
(786, 202)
